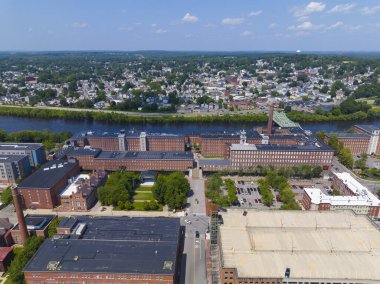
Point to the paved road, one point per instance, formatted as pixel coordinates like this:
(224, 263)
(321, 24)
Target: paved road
(196, 202)
(194, 253)
(373, 186)
(9, 212)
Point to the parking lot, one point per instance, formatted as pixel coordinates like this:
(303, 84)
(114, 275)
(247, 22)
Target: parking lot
(249, 196)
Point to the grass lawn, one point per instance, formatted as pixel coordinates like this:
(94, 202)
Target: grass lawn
(139, 206)
(143, 196)
(144, 188)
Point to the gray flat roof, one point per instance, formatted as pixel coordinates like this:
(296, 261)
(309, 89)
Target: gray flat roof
(348, 135)
(11, 158)
(112, 245)
(20, 146)
(368, 127)
(48, 175)
(146, 155)
(80, 151)
(213, 162)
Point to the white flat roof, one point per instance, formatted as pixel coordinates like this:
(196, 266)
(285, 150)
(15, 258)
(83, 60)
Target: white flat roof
(313, 244)
(72, 187)
(317, 197)
(243, 147)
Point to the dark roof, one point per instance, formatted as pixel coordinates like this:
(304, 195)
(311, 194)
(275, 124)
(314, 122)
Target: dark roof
(36, 222)
(249, 134)
(80, 151)
(20, 146)
(368, 127)
(306, 148)
(348, 135)
(11, 158)
(112, 245)
(48, 175)
(213, 162)
(165, 136)
(145, 155)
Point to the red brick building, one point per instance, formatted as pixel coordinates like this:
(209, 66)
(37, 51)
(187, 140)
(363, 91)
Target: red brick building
(129, 250)
(244, 156)
(41, 189)
(357, 143)
(81, 195)
(6, 256)
(37, 225)
(95, 159)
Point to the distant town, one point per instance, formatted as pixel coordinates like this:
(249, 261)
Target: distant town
(192, 85)
(273, 203)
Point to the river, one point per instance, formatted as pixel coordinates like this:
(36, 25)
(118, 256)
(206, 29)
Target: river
(12, 124)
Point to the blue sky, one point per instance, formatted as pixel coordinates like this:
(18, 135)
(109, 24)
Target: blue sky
(228, 25)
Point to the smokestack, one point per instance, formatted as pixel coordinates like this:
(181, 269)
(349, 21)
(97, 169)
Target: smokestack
(20, 215)
(270, 119)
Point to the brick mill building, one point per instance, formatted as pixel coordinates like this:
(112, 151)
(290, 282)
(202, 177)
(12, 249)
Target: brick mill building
(94, 159)
(42, 188)
(110, 250)
(364, 139)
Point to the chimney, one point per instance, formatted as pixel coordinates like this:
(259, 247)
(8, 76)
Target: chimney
(20, 215)
(270, 119)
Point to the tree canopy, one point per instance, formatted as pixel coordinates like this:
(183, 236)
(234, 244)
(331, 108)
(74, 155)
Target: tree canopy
(171, 190)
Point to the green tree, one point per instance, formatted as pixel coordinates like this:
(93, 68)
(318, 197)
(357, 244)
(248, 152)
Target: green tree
(171, 189)
(17, 265)
(6, 196)
(52, 229)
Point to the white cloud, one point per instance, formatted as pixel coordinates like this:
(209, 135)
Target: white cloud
(334, 26)
(310, 8)
(305, 26)
(79, 25)
(273, 25)
(30, 30)
(126, 28)
(190, 18)
(154, 25)
(232, 21)
(371, 10)
(309, 26)
(160, 31)
(246, 33)
(255, 13)
(342, 8)
(352, 29)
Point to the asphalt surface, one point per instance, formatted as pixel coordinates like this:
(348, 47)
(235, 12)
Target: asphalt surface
(193, 270)
(373, 186)
(9, 212)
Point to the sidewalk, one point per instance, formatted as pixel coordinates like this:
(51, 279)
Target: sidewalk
(104, 213)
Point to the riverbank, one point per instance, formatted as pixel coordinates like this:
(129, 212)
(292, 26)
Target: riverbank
(120, 117)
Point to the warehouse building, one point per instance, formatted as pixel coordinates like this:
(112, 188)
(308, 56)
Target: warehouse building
(266, 247)
(94, 159)
(109, 250)
(35, 151)
(364, 140)
(13, 168)
(41, 189)
(130, 141)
